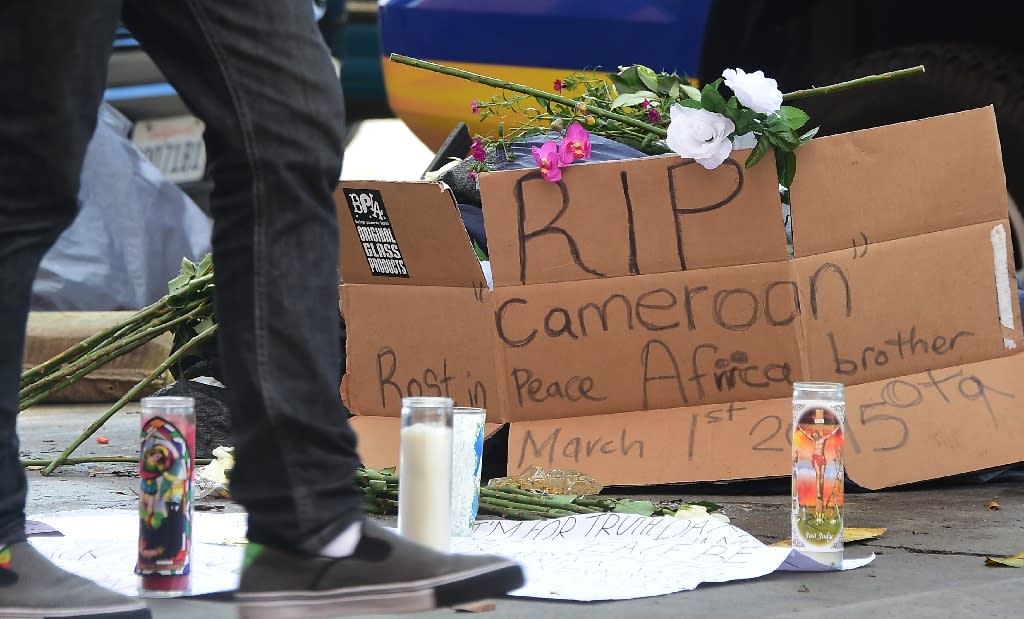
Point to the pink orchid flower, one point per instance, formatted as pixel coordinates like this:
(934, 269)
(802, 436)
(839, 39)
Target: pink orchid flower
(477, 150)
(654, 116)
(547, 159)
(474, 107)
(575, 145)
(558, 85)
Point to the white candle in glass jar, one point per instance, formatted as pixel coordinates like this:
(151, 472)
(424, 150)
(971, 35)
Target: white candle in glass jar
(424, 491)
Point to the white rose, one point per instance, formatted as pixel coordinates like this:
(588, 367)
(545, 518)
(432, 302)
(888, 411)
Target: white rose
(700, 135)
(754, 90)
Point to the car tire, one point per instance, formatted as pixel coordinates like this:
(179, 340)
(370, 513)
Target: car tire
(956, 78)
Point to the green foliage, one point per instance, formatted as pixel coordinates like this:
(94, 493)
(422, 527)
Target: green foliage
(645, 97)
(629, 506)
(481, 255)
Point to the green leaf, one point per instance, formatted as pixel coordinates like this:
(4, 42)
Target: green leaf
(501, 131)
(759, 151)
(781, 135)
(711, 100)
(785, 165)
(692, 103)
(187, 268)
(647, 76)
(178, 282)
(628, 506)
(481, 255)
(634, 98)
(205, 265)
(388, 471)
(673, 92)
(666, 84)
(805, 138)
(691, 92)
(561, 499)
(627, 80)
(708, 505)
(793, 117)
(205, 325)
(745, 120)
(177, 300)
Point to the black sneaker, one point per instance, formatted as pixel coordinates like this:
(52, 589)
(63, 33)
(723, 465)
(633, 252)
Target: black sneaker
(32, 587)
(385, 574)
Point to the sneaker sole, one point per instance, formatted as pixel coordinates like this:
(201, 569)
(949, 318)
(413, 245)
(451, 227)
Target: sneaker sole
(110, 612)
(449, 590)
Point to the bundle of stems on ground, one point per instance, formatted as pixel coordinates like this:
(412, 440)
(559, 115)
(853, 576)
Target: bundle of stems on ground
(187, 311)
(380, 496)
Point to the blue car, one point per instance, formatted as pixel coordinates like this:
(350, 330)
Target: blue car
(974, 56)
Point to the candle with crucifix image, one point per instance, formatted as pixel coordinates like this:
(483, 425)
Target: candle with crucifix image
(819, 411)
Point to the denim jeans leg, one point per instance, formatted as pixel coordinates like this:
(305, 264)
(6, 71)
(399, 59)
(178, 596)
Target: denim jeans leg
(259, 75)
(53, 63)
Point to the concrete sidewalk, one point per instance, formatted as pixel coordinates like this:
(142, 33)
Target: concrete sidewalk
(931, 562)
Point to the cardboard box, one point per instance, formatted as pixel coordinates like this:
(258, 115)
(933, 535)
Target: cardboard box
(647, 321)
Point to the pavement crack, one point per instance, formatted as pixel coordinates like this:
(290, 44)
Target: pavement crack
(935, 551)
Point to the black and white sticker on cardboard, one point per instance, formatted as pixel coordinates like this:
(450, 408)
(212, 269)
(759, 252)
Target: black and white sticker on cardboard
(375, 232)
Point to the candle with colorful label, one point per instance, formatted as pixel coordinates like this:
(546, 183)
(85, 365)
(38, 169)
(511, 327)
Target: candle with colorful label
(819, 412)
(166, 465)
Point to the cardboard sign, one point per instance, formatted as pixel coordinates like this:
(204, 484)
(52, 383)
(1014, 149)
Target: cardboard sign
(648, 321)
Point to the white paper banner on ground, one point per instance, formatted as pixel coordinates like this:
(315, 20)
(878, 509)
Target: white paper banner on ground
(102, 545)
(624, 556)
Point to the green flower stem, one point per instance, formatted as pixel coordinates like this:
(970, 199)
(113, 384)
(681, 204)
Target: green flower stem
(129, 396)
(85, 345)
(526, 90)
(860, 81)
(599, 504)
(373, 474)
(85, 364)
(511, 513)
(100, 459)
(547, 512)
(536, 500)
(633, 122)
(33, 396)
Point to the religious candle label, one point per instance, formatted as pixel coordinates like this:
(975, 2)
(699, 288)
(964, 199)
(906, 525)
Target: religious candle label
(818, 476)
(376, 235)
(165, 496)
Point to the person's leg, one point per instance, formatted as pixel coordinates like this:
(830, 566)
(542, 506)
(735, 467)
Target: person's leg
(53, 61)
(260, 76)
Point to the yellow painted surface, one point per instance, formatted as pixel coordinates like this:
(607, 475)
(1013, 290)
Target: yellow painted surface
(431, 104)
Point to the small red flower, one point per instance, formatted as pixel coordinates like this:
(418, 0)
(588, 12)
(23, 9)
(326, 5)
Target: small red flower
(477, 150)
(558, 85)
(575, 145)
(654, 116)
(547, 159)
(474, 106)
(645, 104)
(472, 175)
